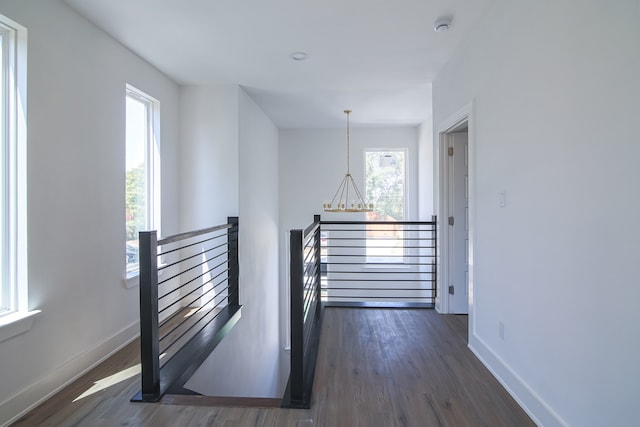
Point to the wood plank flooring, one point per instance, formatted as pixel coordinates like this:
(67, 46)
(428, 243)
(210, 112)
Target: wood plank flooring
(376, 367)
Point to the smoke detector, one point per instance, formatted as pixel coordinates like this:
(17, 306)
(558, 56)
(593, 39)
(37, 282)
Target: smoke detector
(442, 24)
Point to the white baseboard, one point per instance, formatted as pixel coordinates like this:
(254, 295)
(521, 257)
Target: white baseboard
(24, 401)
(539, 411)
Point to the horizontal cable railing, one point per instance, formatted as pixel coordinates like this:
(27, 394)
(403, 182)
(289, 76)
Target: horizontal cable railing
(352, 263)
(379, 262)
(306, 312)
(188, 302)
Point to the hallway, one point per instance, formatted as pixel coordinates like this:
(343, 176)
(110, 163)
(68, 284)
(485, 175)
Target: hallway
(376, 367)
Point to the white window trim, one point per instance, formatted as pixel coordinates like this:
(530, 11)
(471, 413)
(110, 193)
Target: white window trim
(131, 278)
(17, 318)
(16, 323)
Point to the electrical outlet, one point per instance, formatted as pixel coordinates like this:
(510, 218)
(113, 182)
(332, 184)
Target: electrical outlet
(501, 330)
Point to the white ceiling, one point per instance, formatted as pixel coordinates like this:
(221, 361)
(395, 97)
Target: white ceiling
(376, 57)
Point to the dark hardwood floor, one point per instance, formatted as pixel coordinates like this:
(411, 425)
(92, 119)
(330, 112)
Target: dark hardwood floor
(376, 367)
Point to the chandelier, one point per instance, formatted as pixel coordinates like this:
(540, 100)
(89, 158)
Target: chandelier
(346, 189)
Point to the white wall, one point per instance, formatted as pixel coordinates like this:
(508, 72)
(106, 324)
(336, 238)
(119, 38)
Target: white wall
(209, 179)
(246, 363)
(312, 164)
(556, 102)
(76, 111)
(425, 171)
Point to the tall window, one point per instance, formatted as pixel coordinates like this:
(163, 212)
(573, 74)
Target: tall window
(385, 188)
(142, 188)
(13, 281)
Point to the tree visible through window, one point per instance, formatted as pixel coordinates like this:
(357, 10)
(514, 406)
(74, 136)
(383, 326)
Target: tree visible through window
(385, 188)
(141, 204)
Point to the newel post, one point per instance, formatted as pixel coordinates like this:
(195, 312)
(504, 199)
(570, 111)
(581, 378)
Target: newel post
(318, 278)
(149, 330)
(234, 265)
(297, 316)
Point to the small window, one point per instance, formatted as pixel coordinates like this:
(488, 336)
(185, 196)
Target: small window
(385, 188)
(142, 186)
(13, 249)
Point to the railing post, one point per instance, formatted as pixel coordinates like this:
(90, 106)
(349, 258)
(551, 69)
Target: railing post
(434, 219)
(149, 344)
(297, 316)
(318, 279)
(234, 265)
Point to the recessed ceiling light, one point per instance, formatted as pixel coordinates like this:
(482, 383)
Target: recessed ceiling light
(442, 24)
(298, 56)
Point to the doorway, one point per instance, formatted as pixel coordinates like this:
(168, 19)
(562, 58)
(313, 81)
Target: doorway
(458, 220)
(454, 175)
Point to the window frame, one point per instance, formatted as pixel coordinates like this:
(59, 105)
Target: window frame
(15, 317)
(152, 167)
(13, 191)
(376, 260)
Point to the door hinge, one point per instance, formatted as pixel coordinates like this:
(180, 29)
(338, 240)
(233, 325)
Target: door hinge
(451, 221)
(451, 290)
(450, 151)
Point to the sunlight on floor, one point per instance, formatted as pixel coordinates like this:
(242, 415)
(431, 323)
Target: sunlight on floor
(114, 379)
(110, 380)
(124, 374)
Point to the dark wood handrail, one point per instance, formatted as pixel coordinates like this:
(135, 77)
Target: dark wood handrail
(189, 234)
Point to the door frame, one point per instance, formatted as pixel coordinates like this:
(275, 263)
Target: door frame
(461, 118)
